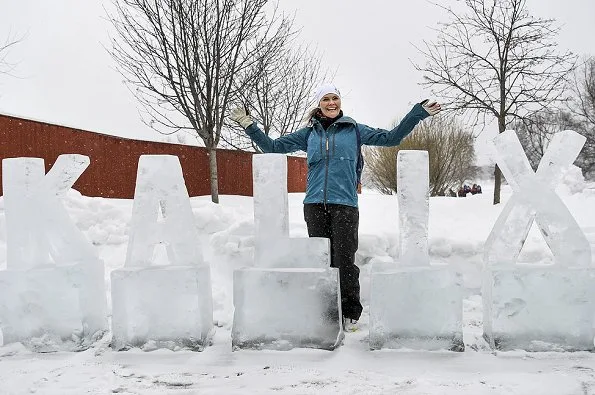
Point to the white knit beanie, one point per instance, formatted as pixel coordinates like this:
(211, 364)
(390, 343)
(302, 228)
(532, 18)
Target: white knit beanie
(325, 89)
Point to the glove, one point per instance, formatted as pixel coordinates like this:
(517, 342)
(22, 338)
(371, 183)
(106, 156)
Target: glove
(431, 107)
(240, 116)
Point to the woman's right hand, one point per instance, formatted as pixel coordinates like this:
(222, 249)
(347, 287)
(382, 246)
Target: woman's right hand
(240, 116)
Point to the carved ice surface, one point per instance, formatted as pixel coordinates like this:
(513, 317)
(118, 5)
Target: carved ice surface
(415, 305)
(52, 295)
(534, 198)
(290, 298)
(286, 308)
(271, 212)
(161, 213)
(162, 306)
(165, 307)
(413, 194)
(537, 307)
(417, 308)
(273, 247)
(295, 252)
(54, 308)
(39, 229)
(542, 308)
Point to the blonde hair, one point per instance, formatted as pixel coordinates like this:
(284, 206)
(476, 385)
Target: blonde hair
(310, 114)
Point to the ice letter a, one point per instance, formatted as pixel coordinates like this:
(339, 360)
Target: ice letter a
(52, 295)
(161, 213)
(162, 306)
(538, 307)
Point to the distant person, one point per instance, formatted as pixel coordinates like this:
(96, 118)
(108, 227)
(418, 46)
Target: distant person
(474, 189)
(461, 192)
(478, 188)
(330, 140)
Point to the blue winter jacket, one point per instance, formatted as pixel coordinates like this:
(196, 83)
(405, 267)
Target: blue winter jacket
(332, 153)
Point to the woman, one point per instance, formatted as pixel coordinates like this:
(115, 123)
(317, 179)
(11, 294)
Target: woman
(332, 142)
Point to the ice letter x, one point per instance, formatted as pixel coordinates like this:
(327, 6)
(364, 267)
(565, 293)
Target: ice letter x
(161, 213)
(534, 198)
(39, 230)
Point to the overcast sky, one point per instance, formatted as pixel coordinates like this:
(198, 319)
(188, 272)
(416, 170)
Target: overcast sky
(64, 75)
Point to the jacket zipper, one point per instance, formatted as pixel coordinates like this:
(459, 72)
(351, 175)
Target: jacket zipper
(326, 171)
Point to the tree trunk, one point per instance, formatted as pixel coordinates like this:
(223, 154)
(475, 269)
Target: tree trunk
(213, 172)
(497, 172)
(497, 184)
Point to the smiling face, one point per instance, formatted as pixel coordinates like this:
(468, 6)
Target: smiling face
(330, 105)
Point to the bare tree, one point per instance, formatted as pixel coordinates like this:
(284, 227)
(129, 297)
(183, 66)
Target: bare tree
(183, 60)
(5, 66)
(583, 109)
(497, 61)
(584, 88)
(536, 132)
(450, 149)
(281, 93)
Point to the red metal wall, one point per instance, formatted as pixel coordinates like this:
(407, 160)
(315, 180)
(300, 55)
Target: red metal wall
(114, 160)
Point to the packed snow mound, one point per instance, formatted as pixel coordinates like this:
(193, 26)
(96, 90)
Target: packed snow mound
(573, 181)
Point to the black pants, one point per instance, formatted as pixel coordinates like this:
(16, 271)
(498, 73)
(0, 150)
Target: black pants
(340, 224)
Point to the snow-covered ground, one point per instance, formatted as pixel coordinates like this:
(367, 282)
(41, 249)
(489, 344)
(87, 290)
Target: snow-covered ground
(458, 230)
